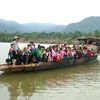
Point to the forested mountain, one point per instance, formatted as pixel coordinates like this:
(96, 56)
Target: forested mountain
(57, 28)
(89, 24)
(38, 27)
(11, 26)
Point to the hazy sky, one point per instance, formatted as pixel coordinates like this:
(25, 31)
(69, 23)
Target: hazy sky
(48, 11)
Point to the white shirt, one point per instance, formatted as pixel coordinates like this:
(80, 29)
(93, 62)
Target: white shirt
(15, 46)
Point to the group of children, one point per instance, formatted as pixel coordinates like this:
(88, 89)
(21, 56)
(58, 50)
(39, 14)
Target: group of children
(55, 53)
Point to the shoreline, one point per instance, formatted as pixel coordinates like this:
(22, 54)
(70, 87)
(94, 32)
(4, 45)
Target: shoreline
(48, 41)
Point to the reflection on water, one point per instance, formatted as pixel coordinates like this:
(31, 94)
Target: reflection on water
(74, 83)
(80, 82)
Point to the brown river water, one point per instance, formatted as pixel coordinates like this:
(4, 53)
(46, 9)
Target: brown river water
(81, 82)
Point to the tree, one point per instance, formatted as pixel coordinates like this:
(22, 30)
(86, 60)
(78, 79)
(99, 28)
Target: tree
(97, 33)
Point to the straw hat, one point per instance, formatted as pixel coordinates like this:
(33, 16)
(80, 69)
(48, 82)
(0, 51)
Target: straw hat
(16, 37)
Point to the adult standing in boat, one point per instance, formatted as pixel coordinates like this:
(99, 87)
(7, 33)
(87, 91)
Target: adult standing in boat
(16, 49)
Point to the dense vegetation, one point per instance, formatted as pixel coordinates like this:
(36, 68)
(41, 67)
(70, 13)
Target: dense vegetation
(43, 37)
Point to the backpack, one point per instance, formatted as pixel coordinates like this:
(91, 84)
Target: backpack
(44, 57)
(8, 60)
(57, 58)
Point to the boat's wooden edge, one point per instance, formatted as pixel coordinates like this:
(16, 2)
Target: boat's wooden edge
(8, 66)
(5, 67)
(28, 65)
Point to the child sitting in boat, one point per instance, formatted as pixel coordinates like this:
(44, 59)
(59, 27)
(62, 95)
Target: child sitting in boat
(39, 52)
(44, 55)
(33, 53)
(10, 55)
(26, 55)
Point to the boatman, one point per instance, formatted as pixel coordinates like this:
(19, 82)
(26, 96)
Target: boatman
(16, 49)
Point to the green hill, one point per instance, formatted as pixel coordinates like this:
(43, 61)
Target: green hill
(57, 28)
(38, 27)
(89, 24)
(12, 26)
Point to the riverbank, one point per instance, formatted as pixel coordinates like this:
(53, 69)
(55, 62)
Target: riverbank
(50, 41)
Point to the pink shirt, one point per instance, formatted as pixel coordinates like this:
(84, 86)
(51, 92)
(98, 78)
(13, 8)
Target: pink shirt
(62, 54)
(53, 54)
(68, 52)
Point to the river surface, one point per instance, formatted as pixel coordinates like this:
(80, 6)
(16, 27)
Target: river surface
(80, 82)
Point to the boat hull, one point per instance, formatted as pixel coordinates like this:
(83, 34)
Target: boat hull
(46, 65)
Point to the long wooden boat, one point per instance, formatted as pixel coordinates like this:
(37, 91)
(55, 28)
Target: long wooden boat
(45, 65)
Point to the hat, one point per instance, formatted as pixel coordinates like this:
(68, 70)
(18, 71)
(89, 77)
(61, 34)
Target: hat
(16, 37)
(25, 47)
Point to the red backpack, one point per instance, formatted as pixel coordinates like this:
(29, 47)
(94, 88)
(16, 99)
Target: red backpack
(57, 58)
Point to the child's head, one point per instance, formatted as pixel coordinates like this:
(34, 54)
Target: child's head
(11, 45)
(25, 48)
